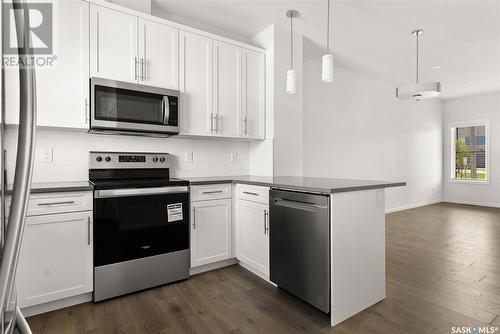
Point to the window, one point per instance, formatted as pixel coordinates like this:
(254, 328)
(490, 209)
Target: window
(469, 152)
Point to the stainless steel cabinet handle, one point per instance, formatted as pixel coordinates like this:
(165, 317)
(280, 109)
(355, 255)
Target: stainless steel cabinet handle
(56, 203)
(88, 230)
(211, 119)
(216, 120)
(136, 62)
(143, 69)
(245, 121)
(212, 192)
(251, 193)
(86, 111)
(194, 218)
(266, 218)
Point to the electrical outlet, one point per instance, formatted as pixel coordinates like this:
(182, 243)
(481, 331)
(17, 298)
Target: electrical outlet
(234, 156)
(188, 156)
(46, 155)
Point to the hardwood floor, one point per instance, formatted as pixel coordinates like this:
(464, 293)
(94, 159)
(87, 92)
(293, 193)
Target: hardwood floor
(443, 270)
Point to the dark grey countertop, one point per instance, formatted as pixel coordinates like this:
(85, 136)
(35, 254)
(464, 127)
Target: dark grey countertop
(52, 187)
(312, 184)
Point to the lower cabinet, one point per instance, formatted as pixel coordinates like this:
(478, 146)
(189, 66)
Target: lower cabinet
(56, 258)
(210, 231)
(252, 234)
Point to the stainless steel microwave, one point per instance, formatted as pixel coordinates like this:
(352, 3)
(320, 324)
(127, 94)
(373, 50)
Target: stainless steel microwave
(127, 108)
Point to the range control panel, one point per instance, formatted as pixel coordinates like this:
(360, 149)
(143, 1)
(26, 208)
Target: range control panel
(107, 160)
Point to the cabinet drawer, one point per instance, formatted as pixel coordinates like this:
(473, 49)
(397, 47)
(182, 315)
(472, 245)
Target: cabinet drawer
(257, 194)
(210, 191)
(44, 204)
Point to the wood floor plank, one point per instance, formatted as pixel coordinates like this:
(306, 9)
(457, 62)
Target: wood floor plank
(443, 270)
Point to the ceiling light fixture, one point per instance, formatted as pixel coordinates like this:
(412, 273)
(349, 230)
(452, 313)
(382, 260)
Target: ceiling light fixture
(291, 84)
(327, 59)
(420, 90)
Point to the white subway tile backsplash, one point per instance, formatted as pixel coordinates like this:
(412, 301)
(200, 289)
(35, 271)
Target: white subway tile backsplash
(211, 157)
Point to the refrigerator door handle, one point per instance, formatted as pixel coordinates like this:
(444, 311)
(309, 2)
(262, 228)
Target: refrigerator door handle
(24, 163)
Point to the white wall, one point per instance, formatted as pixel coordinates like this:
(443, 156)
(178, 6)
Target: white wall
(484, 106)
(70, 154)
(356, 128)
(288, 138)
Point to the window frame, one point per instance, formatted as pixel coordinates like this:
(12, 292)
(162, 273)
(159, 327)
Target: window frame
(452, 126)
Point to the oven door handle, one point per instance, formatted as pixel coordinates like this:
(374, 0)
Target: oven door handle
(108, 193)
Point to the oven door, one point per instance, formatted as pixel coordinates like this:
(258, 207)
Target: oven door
(135, 223)
(125, 107)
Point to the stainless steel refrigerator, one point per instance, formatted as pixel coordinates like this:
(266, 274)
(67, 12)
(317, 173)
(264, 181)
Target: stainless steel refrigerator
(12, 320)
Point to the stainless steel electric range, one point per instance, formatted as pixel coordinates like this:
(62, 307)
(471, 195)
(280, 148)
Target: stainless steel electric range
(141, 223)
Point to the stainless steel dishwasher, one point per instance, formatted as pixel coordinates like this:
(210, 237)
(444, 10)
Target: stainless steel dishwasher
(300, 245)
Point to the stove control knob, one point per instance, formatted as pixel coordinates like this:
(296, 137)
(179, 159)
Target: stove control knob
(108, 159)
(162, 159)
(98, 159)
(155, 159)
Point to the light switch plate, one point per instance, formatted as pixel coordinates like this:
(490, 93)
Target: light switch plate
(234, 156)
(188, 156)
(46, 155)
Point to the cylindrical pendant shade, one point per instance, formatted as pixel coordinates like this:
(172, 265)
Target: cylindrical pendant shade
(290, 82)
(327, 68)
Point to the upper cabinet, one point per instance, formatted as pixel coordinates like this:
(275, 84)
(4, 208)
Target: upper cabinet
(222, 89)
(61, 78)
(113, 45)
(222, 83)
(196, 83)
(254, 95)
(227, 90)
(124, 47)
(159, 51)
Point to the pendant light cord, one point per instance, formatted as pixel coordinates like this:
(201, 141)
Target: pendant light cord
(291, 40)
(328, 28)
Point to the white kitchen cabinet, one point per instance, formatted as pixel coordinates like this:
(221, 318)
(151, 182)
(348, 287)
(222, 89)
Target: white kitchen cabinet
(159, 49)
(113, 45)
(62, 82)
(56, 258)
(227, 89)
(196, 84)
(254, 95)
(210, 231)
(252, 235)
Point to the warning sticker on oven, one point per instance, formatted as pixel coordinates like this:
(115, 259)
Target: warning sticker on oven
(174, 212)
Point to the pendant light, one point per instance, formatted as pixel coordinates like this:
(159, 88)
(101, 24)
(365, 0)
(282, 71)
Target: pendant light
(420, 90)
(327, 59)
(291, 84)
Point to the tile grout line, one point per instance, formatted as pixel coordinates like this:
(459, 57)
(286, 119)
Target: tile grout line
(492, 321)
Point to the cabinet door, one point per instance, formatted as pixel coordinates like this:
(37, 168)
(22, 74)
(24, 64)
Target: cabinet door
(254, 95)
(196, 75)
(253, 235)
(210, 231)
(227, 90)
(113, 45)
(55, 259)
(62, 79)
(159, 49)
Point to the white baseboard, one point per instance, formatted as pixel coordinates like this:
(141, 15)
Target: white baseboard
(455, 201)
(57, 304)
(212, 266)
(412, 206)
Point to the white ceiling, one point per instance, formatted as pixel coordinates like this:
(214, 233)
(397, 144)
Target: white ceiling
(374, 37)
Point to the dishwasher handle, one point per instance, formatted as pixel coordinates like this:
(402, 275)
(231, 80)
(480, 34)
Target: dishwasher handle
(298, 205)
